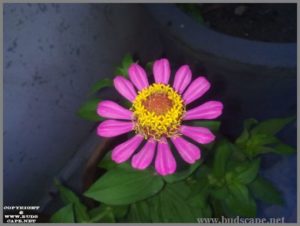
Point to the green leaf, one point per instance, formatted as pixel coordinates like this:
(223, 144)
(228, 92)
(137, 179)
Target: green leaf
(274, 145)
(246, 172)
(272, 126)
(69, 197)
(248, 124)
(238, 190)
(106, 82)
(282, 148)
(154, 204)
(121, 186)
(89, 110)
(261, 139)
(220, 192)
(149, 66)
(127, 60)
(64, 215)
(201, 173)
(200, 206)
(183, 174)
(223, 153)
(212, 125)
(107, 213)
(139, 212)
(106, 162)
(120, 211)
(264, 190)
(102, 214)
(239, 202)
(173, 205)
(123, 69)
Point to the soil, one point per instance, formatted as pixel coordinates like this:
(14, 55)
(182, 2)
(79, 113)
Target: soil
(263, 22)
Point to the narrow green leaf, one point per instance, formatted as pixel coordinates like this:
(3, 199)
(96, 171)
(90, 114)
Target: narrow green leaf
(246, 172)
(275, 146)
(239, 191)
(183, 174)
(248, 124)
(106, 82)
(264, 190)
(149, 66)
(123, 68)
(121, 186)
(212, 125)
(223, 153)
(261, 139)
(89, 110)
(272, 126)
(64, 215)
(282, 148)
(69, 197)
(127, 60)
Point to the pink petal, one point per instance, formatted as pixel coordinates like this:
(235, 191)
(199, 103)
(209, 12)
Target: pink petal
(125, 88)
(200, 134)
(112, 128)
(161, 71)
(165, 162)
(208, 110)
(197, 88)
(188, 151)
(110, 109)
(144, 157)
(138, 76)
(124, 150)
(183, 78)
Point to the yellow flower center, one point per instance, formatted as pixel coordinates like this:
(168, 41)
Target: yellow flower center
(157, 111)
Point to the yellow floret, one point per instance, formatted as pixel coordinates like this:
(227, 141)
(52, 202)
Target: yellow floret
(151, 122)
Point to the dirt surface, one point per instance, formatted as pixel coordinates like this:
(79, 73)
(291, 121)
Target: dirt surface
(263, 22)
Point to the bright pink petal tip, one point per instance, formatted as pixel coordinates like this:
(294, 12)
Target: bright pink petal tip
(208, 110)
(199, 134)
(110, 109)
(188, 151)
(144, 157)
(164, 162)
(124, 150)
(125, 88)
(112, 128)
(197, 88)
(138, 76)
(161, 71)
(183, 77)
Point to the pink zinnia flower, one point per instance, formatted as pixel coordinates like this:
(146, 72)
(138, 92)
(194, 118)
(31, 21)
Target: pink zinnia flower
(157, 113)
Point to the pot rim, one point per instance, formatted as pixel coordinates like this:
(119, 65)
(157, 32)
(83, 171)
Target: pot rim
(203, 39)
